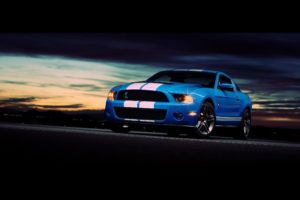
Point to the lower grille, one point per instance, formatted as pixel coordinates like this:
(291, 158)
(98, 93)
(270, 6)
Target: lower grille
(141, 113)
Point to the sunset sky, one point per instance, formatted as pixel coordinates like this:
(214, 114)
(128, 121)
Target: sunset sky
(51, 82)
(75, 71)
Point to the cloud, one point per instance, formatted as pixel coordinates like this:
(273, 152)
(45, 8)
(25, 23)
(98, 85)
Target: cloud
(15, 82)
(87, 87)
(72, 106)
(150, 47)
(25, 103)
(24, 107)
(45, 85)
(17, 100)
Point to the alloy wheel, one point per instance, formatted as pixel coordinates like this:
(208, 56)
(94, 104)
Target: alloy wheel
(206, 121)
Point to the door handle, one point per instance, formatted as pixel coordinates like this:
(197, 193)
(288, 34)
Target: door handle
(237, 99)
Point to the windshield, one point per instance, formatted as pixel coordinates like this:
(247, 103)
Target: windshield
(206, 79)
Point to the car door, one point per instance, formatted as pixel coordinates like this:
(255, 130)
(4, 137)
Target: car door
(228, 101)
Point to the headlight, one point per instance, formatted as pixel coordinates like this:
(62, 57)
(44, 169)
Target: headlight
(112, 95)
(184, 98)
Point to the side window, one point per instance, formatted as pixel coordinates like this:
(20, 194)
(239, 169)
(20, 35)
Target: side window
(224, 79)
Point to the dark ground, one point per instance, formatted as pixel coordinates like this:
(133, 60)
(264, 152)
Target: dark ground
(88, 156)
(64, 147)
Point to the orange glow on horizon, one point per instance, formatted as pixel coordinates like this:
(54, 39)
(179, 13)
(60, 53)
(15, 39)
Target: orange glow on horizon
(60, 83)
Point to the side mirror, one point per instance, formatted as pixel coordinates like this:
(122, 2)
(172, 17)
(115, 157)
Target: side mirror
(226, 86)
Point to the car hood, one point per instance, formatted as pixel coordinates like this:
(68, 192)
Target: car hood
(161, 86)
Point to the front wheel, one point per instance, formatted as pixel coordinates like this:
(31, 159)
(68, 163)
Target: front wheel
(243, 131)
(206, 122)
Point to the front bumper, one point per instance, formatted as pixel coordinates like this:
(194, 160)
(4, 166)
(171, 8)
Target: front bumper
(170, 119)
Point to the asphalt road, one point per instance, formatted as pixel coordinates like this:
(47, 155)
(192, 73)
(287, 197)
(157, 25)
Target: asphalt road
(39, 146)
(38, 157)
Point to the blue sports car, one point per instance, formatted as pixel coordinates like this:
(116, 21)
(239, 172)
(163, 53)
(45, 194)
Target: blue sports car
(175, 101)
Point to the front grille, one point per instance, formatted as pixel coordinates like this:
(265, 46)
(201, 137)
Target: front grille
(141, 113)
(142, 95)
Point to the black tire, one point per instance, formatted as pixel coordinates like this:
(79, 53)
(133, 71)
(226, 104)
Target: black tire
(119, 128)
(206, 123)
(244, 128)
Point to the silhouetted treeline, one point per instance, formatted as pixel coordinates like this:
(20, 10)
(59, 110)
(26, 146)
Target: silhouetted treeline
(86, 118)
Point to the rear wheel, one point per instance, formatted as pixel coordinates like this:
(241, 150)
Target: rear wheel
(207, 121)
(243, 131)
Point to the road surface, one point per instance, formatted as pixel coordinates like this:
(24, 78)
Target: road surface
(38, 146)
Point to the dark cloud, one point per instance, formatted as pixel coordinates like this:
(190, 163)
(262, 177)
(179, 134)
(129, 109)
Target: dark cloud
(21, 104)
(50, 85)
(105, 84)
(25, 107)
(98, 95)
(87, 87)
(60, 106)
(109, 84)
(15, 82)
(151, 47)
(17, 100)
(24, 103)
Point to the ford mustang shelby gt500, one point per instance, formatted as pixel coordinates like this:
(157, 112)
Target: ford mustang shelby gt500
(194, 101)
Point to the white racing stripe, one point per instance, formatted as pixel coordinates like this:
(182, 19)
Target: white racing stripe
(130, 104)
(140, 120)
(134, 120)
(147, 120)
(229, 118)
(151, 86)
(147, 104)
(135, 86)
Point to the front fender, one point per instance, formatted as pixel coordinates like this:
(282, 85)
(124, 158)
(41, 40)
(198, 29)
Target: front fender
(246, 104)
(203, 95)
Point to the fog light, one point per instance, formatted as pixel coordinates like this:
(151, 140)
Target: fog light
(192, 114)
(178, 115)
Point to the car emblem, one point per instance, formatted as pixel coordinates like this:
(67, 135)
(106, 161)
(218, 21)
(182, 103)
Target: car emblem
(126, 95)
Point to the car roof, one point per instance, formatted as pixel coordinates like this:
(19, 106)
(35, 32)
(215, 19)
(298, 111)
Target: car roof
(196, 70)
(200, 70)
